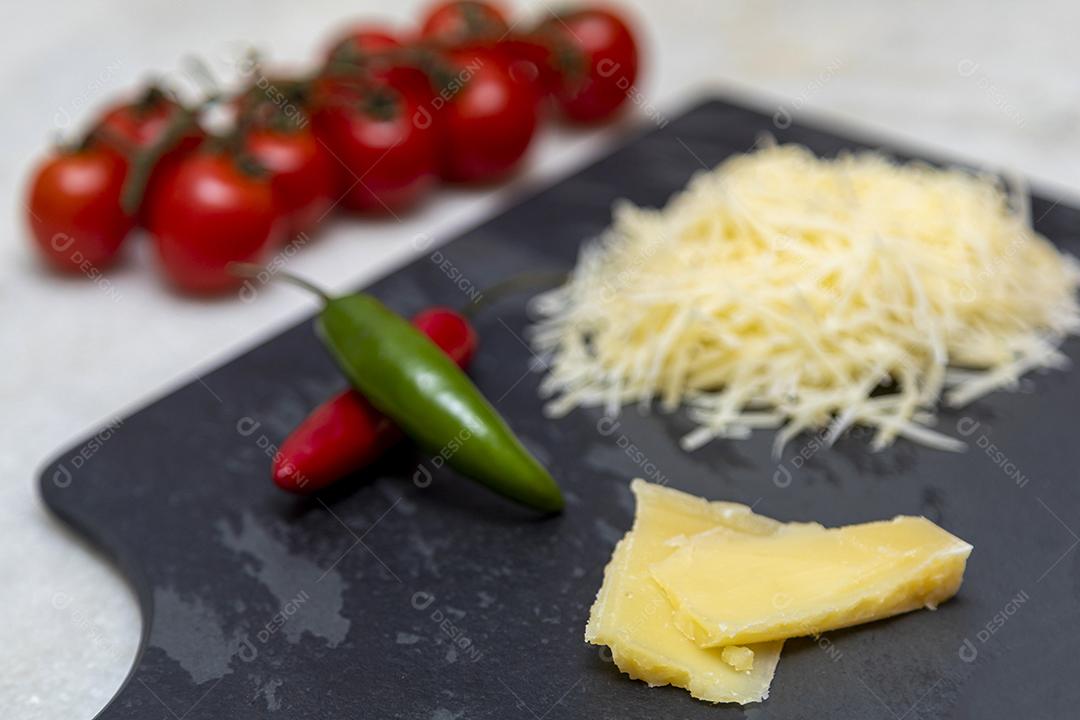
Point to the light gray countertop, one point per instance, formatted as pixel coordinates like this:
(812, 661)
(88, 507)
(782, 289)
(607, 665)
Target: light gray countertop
(992, 84)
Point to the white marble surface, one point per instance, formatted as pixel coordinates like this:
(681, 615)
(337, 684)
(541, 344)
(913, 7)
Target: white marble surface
(994, 85)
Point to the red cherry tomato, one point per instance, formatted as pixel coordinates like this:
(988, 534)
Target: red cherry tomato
(361, 42)
(207, 213)
(367, 56)
(599, 60)
(350, 88)
(74, 209)
(135, 126)
(346, 433)
(531, 58)
(141, 123)
(301, 174)
(459, 22)
(386, 157)
(489, 119)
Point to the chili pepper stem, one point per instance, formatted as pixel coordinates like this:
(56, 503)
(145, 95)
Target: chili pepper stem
(251, 270)
(512, 286)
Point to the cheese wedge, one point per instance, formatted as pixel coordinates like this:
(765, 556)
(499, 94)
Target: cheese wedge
(732, 591)
(633, 618)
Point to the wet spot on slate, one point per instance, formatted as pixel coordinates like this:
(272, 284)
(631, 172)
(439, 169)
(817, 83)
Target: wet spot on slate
(317, 597)
(444, 714)
(426, 551)
(268, 692)
(192, 636)
(404, 638)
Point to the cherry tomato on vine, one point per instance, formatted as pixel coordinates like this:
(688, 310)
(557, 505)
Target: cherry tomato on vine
(489, 119)
(386, 159)
(301, 173)
(598, 57)
(368, 55)
(362, 42)
(132, 127)
(74, 208)
(531, 58)
(277, 101)
(212, 209)
(461, 22)
(142, 122)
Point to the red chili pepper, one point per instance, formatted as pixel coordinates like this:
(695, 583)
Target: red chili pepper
(450, 331)
(346, 433)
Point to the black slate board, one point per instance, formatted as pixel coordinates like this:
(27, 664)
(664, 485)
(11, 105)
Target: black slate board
(386, 599)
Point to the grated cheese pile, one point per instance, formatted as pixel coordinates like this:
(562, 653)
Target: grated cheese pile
(785, 291)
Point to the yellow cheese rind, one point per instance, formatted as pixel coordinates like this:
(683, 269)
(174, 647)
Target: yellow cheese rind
(633, 618)
(732, 591)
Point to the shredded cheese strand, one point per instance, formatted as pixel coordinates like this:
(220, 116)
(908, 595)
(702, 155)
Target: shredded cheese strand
(785, 291)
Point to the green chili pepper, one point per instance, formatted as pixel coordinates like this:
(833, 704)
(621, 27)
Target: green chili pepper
(414, 383)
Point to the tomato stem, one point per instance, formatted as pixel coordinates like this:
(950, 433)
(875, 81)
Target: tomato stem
(382, 104)
(200, 71)
(113, 139)
(151, 98)
(144, 162)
